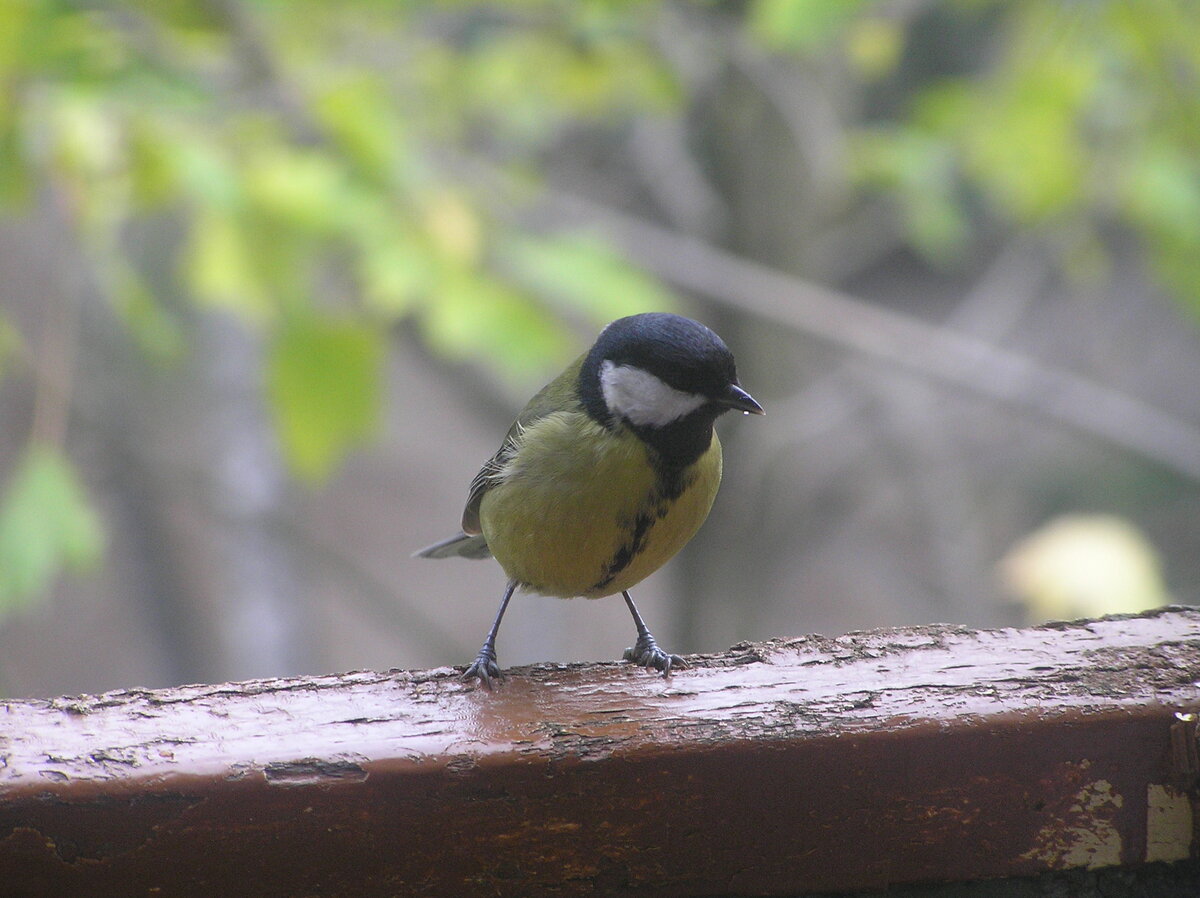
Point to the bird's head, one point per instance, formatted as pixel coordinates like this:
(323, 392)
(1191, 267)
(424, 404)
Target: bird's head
(660, 372)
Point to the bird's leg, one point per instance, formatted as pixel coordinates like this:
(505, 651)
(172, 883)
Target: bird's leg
(484, 667)
(645, 652)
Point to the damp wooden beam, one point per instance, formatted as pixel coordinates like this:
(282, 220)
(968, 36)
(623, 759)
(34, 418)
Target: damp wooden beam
(924, 754)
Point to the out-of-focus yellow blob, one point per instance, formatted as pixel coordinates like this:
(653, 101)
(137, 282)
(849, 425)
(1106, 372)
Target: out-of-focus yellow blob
(1084, 566)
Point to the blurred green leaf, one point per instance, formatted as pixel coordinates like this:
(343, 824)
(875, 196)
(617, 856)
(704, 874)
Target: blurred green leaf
(584, 273)
(10, 341)
(324, 382)
(84, 137)
(15, 18)
(153, 165)
(362, 118)
(528, 83)
(298, 189)
(453, 226)
(156, 332)
(920, 168)
(14, 179)
(1081, 116)
(874, 45)
(1162, 191)
(476, 316)
(1023, 141)
(394, 269)
(208, 175)
(46, 525)
(221, 268)
(800, 25)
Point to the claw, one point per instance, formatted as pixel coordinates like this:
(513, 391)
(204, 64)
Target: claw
(646, 653)
(485, 669)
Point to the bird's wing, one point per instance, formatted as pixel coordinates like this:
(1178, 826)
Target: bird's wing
(561, 393)
(489, 475)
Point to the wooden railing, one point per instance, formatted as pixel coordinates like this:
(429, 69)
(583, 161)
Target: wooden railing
(927, 754)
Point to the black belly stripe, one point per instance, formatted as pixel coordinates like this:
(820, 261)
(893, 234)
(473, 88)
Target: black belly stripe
(639, 531)
(670, 486)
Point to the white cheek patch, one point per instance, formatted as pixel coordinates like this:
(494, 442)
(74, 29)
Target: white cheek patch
(642, 399)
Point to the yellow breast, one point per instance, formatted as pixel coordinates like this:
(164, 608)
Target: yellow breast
(581, 511)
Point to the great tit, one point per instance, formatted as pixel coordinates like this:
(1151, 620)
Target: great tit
(608, 472)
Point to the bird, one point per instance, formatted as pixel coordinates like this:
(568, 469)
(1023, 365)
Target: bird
(606, 474)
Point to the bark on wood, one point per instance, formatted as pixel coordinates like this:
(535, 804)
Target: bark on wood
(922, 754)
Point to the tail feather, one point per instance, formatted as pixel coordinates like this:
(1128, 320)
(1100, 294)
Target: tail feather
(458, 546)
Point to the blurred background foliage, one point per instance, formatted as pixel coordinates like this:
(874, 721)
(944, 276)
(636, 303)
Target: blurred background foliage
(277, 274)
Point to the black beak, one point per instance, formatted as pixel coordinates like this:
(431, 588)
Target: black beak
(737, 398)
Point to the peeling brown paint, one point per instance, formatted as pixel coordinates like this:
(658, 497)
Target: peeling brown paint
(1082, 830)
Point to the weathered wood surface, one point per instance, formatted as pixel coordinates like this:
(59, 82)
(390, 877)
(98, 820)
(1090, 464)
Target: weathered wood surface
(929, 753)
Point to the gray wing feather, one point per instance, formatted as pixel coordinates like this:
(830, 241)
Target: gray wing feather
(489, 476)
(461, 545)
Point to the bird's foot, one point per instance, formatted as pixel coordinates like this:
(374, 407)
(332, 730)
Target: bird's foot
(484, 668)
(646, 653)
